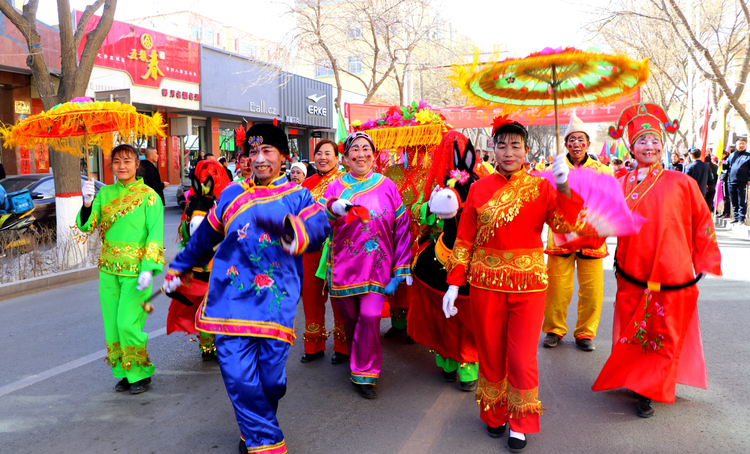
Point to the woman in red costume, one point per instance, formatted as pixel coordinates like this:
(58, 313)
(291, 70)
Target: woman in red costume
(499, 252)
(656, 336)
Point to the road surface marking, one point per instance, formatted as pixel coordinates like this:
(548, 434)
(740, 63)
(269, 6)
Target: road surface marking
(428, 431)
(36, 378)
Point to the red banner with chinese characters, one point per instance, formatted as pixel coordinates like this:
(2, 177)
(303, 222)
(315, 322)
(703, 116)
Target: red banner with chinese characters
(41, 159)
(146, 55)
(25, 162)
(476, 117)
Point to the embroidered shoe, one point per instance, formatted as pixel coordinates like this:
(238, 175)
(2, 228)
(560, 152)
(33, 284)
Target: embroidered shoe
(644, 409)
(551, 340)
(496, 432)
(467, 386)
(393, 332)
(339, 358)
(366, 391)
(141, 386)
(122, 385)
(586, 345)
(516, 444)
(310, 357)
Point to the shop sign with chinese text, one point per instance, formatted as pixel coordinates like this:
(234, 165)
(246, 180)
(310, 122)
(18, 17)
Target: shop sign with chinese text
(147, 56)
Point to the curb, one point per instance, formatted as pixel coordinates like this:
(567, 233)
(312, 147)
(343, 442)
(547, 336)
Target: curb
(38, 284)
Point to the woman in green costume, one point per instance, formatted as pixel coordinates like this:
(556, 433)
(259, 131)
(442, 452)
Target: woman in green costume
(131, 221)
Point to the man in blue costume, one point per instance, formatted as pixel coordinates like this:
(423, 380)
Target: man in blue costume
(262, 227)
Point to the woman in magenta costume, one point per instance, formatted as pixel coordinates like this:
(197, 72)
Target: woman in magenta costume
(366, 260)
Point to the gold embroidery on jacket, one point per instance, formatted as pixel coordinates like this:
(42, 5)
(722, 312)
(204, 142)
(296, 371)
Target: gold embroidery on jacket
(320, 189)
(513, 270)
(505, 205)
(459, 256)
(154, 253)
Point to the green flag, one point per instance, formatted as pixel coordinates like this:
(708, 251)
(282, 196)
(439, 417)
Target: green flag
(341, 131)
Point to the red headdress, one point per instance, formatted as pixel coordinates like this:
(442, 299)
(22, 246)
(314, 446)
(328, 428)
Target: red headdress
(442, 160)
(217, 172)
(239, 136)
(504, 120)
(644, 118)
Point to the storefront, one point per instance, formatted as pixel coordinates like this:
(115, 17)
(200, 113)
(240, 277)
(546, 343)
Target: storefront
(308, 113)
(155, 73)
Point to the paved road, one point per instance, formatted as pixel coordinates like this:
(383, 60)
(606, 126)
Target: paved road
(56, 392)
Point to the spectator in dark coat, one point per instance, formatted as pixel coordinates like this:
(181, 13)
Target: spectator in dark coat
(676, 164)
(738, 168)
(150, 174)
(712, 178)
(698, 170)
(225, 164)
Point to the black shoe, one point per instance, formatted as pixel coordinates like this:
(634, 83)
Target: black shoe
(733, 221)
(339, 358)
(243, 447)
(644, 409)
(409, 340)
(586, 345)
(551, 340)
(209, 356)
(496, 432)
(122, 385)
(366, 391)
(516, 445)
(450, 377)
(310, 357)
(141, 386)
(393, 332)
(468, 386)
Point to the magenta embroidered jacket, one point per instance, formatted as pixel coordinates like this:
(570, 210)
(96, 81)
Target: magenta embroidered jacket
(255, 285)
(363, 257)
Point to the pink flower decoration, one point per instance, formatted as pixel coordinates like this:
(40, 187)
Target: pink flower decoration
(623, 340)
(265, 238)
(460, 175)
(642, 324)
(263, 281)
(652, 344)
(659, 309)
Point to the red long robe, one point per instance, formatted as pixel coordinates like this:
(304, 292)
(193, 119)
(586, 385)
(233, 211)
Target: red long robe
(656, 336)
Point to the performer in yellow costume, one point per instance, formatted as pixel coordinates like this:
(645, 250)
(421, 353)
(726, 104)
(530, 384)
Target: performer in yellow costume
(562, 263)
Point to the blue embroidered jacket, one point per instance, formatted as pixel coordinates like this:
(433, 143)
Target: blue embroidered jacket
(255, 285)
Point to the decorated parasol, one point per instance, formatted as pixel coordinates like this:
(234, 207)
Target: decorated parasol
(74, 126)
(550, 79)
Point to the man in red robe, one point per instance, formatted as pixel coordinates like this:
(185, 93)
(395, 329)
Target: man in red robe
(656, 336)
(499, 252)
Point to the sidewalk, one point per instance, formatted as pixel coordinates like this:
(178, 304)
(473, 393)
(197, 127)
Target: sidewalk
(170, 197)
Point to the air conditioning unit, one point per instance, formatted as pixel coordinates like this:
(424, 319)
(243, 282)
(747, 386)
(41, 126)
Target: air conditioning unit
(181, 126)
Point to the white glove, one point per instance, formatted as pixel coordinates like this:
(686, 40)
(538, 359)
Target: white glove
(444, 203)
(339, 207)
(409, 280)
(560, 169)
(171, 285)
(449, 309)
(88, 190)
(144, 280)
(289, 247)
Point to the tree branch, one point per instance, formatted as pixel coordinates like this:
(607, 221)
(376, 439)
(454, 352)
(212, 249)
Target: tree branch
(80, 29)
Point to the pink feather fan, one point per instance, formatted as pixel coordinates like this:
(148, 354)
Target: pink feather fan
(606, 210)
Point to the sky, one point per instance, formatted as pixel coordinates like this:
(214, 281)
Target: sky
(517, 25)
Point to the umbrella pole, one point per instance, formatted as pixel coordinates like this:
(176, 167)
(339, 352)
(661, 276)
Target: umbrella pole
(557, 120)
(86, 151)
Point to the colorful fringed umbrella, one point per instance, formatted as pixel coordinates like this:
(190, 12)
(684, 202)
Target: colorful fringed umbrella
(550, 78)
(74, 126)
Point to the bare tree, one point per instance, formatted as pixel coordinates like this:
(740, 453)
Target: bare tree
(370, 41)
(541, 140)
(717, 43)
(74, 77)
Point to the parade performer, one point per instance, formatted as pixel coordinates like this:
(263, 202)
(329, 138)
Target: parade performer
(259, 227)
(207, 183)
(131, 221)
(450, 339)
(366, 261)
(656, 335)
(314, 292)
(498, 251)
(562, 262)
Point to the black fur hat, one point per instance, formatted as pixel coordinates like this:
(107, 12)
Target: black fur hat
(266, 134)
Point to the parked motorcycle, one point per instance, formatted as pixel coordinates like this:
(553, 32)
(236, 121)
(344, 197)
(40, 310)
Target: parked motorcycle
(16, 220)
